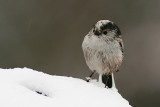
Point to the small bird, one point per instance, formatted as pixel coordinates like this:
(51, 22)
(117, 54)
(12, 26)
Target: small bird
(103, 50)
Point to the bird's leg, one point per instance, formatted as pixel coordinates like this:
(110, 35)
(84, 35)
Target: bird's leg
(89, 78)
(92, 73)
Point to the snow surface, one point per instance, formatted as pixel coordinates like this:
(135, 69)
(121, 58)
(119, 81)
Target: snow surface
(19, 87)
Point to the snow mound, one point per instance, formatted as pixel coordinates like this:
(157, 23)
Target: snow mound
(23, 87)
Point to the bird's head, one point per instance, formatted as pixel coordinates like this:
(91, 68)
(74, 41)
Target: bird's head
(106, 28)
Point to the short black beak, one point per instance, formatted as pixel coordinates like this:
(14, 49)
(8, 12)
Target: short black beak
(96, 32)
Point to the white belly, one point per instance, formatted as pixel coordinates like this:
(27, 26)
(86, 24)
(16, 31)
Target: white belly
(102, 55)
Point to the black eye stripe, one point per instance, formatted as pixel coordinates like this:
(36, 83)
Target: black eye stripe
(111, 26)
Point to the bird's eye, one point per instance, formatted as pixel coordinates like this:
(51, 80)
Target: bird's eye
(104, 31)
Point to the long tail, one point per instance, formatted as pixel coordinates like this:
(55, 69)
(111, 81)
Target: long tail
(113, 81)
(109, 81)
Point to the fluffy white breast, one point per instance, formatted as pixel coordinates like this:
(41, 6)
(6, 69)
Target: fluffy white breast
(96, 48)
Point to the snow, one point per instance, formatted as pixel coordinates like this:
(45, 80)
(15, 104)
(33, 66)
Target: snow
(19, 87)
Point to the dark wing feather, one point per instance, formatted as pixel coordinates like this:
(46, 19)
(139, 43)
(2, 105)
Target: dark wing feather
(121, 44)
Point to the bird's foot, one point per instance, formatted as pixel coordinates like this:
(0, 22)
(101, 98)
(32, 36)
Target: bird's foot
(88, 79)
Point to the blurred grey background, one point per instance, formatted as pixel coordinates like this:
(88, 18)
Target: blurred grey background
(46, 35)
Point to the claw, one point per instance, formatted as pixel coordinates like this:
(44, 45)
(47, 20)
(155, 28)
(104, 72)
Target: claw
(88, 79)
